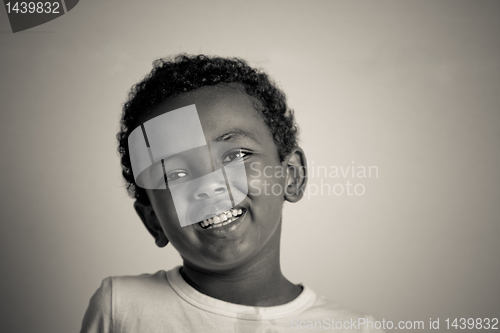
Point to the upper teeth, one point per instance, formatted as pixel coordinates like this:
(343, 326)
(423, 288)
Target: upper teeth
(223, 217)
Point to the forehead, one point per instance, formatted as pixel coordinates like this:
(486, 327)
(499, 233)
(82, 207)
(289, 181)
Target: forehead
(219, 109)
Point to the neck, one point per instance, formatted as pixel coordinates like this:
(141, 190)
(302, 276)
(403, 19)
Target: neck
(259, 282)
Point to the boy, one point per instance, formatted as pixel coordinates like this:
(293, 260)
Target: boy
(198, 138)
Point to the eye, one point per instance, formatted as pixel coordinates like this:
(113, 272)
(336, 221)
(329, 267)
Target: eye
(234, 155)
(176, 175)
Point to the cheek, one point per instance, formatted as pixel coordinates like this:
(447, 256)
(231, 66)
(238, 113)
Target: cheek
(163, 203)
(166, 213)
(265, 181)
(179, 237)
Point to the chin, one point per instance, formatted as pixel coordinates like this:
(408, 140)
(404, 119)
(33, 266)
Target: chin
(223, 260)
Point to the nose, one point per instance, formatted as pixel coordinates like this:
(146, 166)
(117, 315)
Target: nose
(209, 190)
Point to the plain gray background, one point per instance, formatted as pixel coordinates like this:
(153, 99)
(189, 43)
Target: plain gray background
(409, 86)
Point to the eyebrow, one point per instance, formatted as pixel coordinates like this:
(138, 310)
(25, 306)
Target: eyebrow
(235, 134)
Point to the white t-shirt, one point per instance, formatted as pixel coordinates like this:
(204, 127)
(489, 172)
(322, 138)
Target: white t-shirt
(164, 302)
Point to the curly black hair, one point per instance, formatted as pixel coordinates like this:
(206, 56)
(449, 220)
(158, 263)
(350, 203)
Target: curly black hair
(183, 73)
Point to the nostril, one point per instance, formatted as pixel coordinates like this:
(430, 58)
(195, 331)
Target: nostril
(219, 190)
(202, 196)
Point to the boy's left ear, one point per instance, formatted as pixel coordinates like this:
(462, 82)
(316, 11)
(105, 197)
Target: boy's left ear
(296, 174)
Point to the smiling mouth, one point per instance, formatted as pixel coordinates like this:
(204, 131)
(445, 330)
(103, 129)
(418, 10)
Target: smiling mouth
(222, 219)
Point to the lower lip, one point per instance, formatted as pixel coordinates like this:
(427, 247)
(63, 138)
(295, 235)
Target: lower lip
(224, 230)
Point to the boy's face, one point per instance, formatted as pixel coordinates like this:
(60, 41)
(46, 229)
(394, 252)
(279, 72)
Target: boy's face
(227, 116)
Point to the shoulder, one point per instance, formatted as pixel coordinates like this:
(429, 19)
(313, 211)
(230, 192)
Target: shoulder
(329, 308)
(119, 296)
(134, 293)
(133, 284)
(333, 315)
